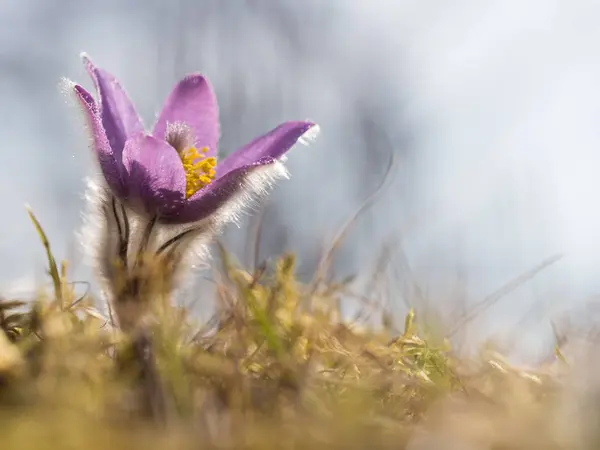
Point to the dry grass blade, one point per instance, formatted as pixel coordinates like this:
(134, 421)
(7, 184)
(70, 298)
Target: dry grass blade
(52, 266)
(324, 265)
(503, 291)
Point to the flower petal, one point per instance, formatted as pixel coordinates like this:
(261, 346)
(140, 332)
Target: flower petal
(111, 167)
(156, 175)
(274, 144)
(192, 102)
(232, 190)
(119, 117)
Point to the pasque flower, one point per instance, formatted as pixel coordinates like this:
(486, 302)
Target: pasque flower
(162, 194)
(171, 173)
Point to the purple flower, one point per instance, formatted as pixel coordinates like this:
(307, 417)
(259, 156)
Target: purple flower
(172, 173)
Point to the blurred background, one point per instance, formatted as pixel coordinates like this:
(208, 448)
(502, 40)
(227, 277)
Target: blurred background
(491, 109)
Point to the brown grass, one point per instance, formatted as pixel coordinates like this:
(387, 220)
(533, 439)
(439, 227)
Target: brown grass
(276, 367)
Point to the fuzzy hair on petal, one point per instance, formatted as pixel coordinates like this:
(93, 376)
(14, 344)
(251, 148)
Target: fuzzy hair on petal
(255, 187)
(310, 135)
(67, 88)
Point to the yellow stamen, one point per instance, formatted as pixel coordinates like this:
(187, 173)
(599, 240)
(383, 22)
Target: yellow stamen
(197, 174)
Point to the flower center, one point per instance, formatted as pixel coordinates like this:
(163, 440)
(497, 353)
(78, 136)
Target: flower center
(199, 170)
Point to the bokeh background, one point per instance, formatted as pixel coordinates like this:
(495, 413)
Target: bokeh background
(491, 109)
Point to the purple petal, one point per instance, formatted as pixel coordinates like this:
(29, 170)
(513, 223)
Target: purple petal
(156, 175)
(194, 103)
(274, 144)
(111, 167)
(119, 117)
(211, 198)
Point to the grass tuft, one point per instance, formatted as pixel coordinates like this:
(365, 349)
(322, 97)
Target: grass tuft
(277, 366)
